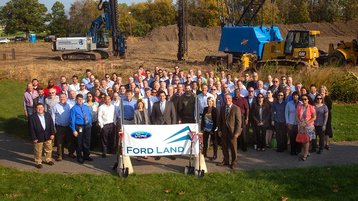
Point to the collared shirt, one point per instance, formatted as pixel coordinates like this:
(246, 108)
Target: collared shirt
(292, 87)
(244, 92)
(162, 106)
(29, 98)
(61, 114)
(86, 80)
(74, 87)
(203, 101)
(106, 115)
(89, 85)
(152, 100)
(290, 113)
(77, 118)
(129, 108)
(243, 105)
(278, 112)
(71, 102)
(42, 120)
(257, 91)
(117, 108)
(50, 103)
(84, 93)
(110, 84)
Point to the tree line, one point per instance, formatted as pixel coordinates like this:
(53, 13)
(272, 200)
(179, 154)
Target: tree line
(140, 18)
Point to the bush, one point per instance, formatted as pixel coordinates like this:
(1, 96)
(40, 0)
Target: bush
(345, 88)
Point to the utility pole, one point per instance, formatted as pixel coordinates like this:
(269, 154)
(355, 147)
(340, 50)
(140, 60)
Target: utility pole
(183, 28)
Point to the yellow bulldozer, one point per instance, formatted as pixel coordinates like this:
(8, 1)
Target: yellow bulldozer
(345, 53)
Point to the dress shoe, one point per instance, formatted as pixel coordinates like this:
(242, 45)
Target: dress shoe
(50, 163)
(38, 166)
(157, 158)
(59, 158)
(104, 155)
(88, 159)
(80, 160)
(319, 151)
(71, 155)
(214, 157)
(222, 164)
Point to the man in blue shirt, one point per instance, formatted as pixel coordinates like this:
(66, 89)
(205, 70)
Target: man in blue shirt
(292, 126)
(80, 124)
(129, 106)
(61, 117)
(279, 121)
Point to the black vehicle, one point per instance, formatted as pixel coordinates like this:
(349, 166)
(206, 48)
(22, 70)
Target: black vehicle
(20, 39)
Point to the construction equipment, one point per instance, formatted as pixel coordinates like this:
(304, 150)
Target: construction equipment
(344, 53)
(95, 44)
(255, 46)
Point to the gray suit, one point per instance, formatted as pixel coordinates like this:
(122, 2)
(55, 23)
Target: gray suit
(169, 115)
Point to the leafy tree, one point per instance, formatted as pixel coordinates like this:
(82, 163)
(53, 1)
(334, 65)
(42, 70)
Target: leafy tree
(58, 20)
(23, 15)
(269, 14)
(203, 13)
(298, 12)
(82, 13)
(349, 9)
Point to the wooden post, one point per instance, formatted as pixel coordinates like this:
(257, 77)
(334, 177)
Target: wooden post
(13, 54)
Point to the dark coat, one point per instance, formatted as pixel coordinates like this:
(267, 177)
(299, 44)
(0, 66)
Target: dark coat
(36, 130)
(168, 117)
(266, 114)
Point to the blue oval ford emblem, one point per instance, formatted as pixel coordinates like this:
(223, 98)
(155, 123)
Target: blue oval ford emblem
(141, 135)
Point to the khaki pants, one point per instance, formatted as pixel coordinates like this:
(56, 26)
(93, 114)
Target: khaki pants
(47, 146)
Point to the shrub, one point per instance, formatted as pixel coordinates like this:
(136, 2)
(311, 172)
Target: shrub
(345, 88)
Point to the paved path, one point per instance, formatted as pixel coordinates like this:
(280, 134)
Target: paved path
(17, 153)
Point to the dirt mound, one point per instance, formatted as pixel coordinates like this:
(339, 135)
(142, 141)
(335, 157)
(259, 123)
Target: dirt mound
(170, 33)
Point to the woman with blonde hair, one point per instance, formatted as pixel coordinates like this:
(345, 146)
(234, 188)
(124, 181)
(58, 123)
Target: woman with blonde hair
(328, 102)
(141, 117)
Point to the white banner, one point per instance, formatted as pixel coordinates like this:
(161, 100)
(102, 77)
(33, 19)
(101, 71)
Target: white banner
(159, 140)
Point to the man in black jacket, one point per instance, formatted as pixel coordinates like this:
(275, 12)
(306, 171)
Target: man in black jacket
(42, 133)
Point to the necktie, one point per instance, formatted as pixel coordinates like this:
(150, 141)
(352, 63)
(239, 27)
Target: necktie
(149, 106)
(227, 111)
(162, 107)
(84, 115)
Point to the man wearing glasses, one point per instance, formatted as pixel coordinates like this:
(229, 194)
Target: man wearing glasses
(83, 90)
(51, 100)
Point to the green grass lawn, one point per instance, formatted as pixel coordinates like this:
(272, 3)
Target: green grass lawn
(323, 183)
(12, 121)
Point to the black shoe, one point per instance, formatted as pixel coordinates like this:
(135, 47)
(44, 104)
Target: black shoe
(319, 151)
(104, 155)
(214, 157)
(327, 147)
(88, 159)
(50, 163)
(80, 160)
(172, 157)
(38, 166)
(157, 158)
(71, 155)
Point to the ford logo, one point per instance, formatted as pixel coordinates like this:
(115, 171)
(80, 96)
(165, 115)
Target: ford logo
(141, 135)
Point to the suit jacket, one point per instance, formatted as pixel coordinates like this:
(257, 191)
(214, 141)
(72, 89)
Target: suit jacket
(138, 117)
(36, 130)
(231, 124)
(168, 117)
(266, 113)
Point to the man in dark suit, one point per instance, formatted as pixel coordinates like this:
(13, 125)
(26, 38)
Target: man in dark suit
(163, 113)
(229, 130)
(42, 133)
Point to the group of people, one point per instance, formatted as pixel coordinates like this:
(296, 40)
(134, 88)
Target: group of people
(83, 113)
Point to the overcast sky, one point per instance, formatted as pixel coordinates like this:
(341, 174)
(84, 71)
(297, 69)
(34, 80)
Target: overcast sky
(68, 3)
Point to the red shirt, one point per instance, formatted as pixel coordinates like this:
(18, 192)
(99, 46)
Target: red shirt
(243, 105)
(57, 88)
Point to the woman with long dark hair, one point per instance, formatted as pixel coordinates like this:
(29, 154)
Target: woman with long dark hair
(261, 120)
(306, 115)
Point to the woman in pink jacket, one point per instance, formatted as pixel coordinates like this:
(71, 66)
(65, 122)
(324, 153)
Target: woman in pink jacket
(306, 115)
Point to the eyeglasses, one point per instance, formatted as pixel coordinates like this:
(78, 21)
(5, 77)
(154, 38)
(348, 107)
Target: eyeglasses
(89, 96)
(280, 95)
(107, 76)
(52, 92)
(319, 98)
(82, 85)
(304, 99)
(275, 81)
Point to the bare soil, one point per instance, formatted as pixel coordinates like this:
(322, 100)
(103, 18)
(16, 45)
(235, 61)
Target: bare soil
(158, 48)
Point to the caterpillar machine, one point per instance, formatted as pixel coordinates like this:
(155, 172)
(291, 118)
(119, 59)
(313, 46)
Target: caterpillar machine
(96, 44)
(255, 46)
(344, 53)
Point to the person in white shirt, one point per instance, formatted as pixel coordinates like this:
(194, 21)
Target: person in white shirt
(242, 88)
(75, 84)
(107, 121)
(110, 83)
(72, 98)
(260, 88)
(83, 91)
